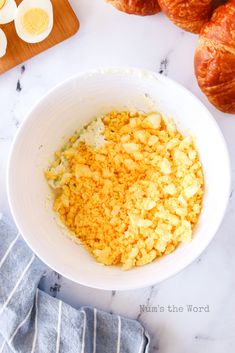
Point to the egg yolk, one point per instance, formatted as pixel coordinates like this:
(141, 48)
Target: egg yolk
(35, 21)
(2, 3)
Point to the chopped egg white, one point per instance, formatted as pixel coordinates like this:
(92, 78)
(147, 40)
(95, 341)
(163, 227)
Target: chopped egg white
(34, 20)
(7, 11)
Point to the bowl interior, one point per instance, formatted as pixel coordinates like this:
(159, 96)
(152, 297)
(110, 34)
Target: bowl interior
(67, 108)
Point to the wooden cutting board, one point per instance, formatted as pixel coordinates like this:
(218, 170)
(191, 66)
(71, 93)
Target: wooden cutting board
(66, 24)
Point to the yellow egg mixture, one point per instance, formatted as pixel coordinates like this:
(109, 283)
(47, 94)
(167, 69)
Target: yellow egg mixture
(134, 197)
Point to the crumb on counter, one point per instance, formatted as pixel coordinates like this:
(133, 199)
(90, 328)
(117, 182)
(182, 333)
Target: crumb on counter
(129, 186)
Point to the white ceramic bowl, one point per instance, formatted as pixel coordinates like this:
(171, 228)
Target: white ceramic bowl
(66, 108)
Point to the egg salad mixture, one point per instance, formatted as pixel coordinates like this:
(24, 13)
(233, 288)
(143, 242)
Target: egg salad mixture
(129, 186)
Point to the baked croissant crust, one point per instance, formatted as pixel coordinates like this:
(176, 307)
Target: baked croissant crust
(190, 15)
(137, 7)
(215, 58)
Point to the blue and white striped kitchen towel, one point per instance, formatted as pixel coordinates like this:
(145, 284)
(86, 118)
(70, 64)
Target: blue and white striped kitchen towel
(32, 321)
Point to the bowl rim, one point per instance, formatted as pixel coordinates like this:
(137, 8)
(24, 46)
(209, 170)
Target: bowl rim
(112, 71)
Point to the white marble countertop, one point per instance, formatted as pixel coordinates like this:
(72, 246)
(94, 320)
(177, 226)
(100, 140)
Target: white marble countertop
(110, 38)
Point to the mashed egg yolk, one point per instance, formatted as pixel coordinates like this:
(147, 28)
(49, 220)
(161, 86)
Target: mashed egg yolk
(35, 21)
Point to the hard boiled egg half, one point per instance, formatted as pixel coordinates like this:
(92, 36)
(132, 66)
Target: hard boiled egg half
(3, 43)
(34, 20)
(7, 11)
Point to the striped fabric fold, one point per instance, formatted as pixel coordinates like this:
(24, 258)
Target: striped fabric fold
(31, 321)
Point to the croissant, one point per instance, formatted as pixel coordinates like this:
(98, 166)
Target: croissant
(137, 7)
(190, 15)
(214, 59)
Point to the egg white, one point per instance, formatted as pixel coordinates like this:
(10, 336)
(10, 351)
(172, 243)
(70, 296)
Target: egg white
(3, 43)
(7, 12)
(25, 6)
